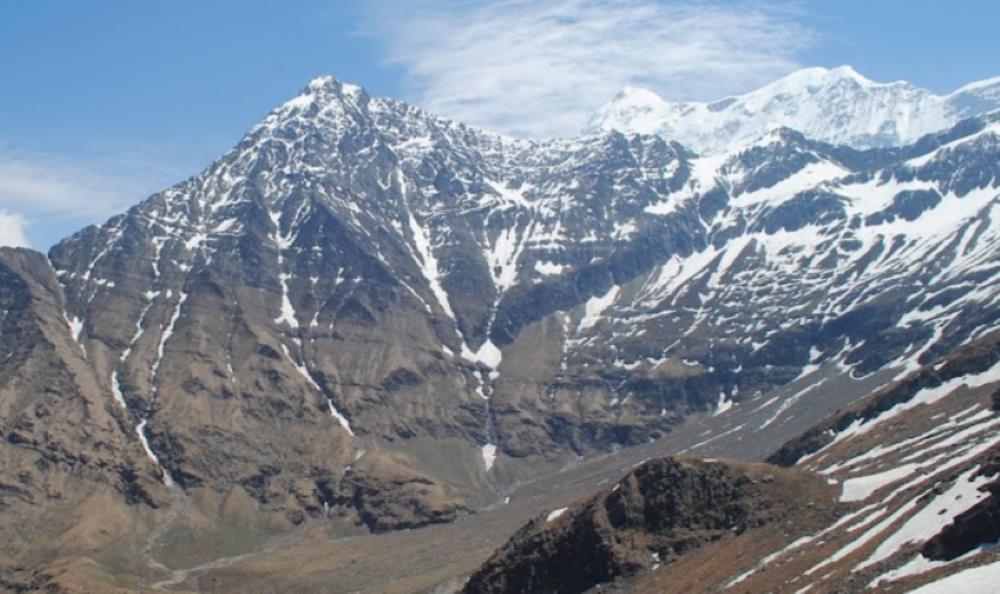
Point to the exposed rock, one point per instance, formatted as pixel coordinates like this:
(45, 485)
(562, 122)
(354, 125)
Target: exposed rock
(63, 444)
(661, 510)
(387, 495)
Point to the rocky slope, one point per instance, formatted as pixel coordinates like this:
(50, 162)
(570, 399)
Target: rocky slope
(911, 476)
(368, 317)
(918, 462)
(836, 105)
(73, 480)
(657, 514)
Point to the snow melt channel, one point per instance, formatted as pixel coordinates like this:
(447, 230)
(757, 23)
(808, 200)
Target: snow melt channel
(140, 431)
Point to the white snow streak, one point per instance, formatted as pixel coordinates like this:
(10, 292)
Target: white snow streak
(140, 431)
(554, 514)
(596, 306)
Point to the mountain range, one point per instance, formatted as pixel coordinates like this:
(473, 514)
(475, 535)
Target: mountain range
(836, 105)
(365, 318)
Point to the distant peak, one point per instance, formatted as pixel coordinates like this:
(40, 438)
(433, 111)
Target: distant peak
(632, 98)
(628, 111)
(638, 95)
(849, 72)
(979, 85)
(817, 76)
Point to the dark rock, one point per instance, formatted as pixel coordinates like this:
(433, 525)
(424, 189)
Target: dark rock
(668, 506)
(970, 530)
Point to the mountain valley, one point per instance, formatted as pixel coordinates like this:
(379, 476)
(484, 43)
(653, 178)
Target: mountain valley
(368, 344)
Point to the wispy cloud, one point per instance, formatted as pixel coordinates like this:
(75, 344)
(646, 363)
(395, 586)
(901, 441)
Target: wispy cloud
(44, 196)
(64, 188)
(12, 230)
(541, 67)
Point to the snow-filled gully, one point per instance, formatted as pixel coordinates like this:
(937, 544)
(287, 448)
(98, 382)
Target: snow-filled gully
(288, 316)
(488, 356)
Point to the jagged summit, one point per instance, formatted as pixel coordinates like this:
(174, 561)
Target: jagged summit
(836, 105)
(326, 86)
(321, 96)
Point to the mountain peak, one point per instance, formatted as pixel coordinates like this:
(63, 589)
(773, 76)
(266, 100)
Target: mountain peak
(328, 83)
(637, 95)
(633, 110)
(321, 82)
(815, 79)
(324, 87)
(844, 72)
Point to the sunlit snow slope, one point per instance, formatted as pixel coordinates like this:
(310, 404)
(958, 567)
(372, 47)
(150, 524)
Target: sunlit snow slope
(838, 106)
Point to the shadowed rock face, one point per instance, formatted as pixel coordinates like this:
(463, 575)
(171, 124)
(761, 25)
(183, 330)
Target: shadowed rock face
(664, 508)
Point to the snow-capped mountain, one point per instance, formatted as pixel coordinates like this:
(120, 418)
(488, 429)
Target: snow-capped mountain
(362, 297)
(838, 106)
(525, 278)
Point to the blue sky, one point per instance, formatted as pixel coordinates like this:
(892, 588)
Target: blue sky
(105, 102)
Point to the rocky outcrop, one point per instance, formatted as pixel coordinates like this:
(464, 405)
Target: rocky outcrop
(655, 514)
(387, 495)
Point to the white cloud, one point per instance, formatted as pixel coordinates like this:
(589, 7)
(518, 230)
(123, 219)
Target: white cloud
(12, 230)
(541, 67)
(58, 194)
(66, 185)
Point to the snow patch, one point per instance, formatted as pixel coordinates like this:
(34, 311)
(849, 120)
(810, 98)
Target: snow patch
(548, 268)
(489, 453)
(941, 511)
(978, 580)
(861, 488)
(596, 306)
(556, 513)
(489, 354)
(723, 405)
